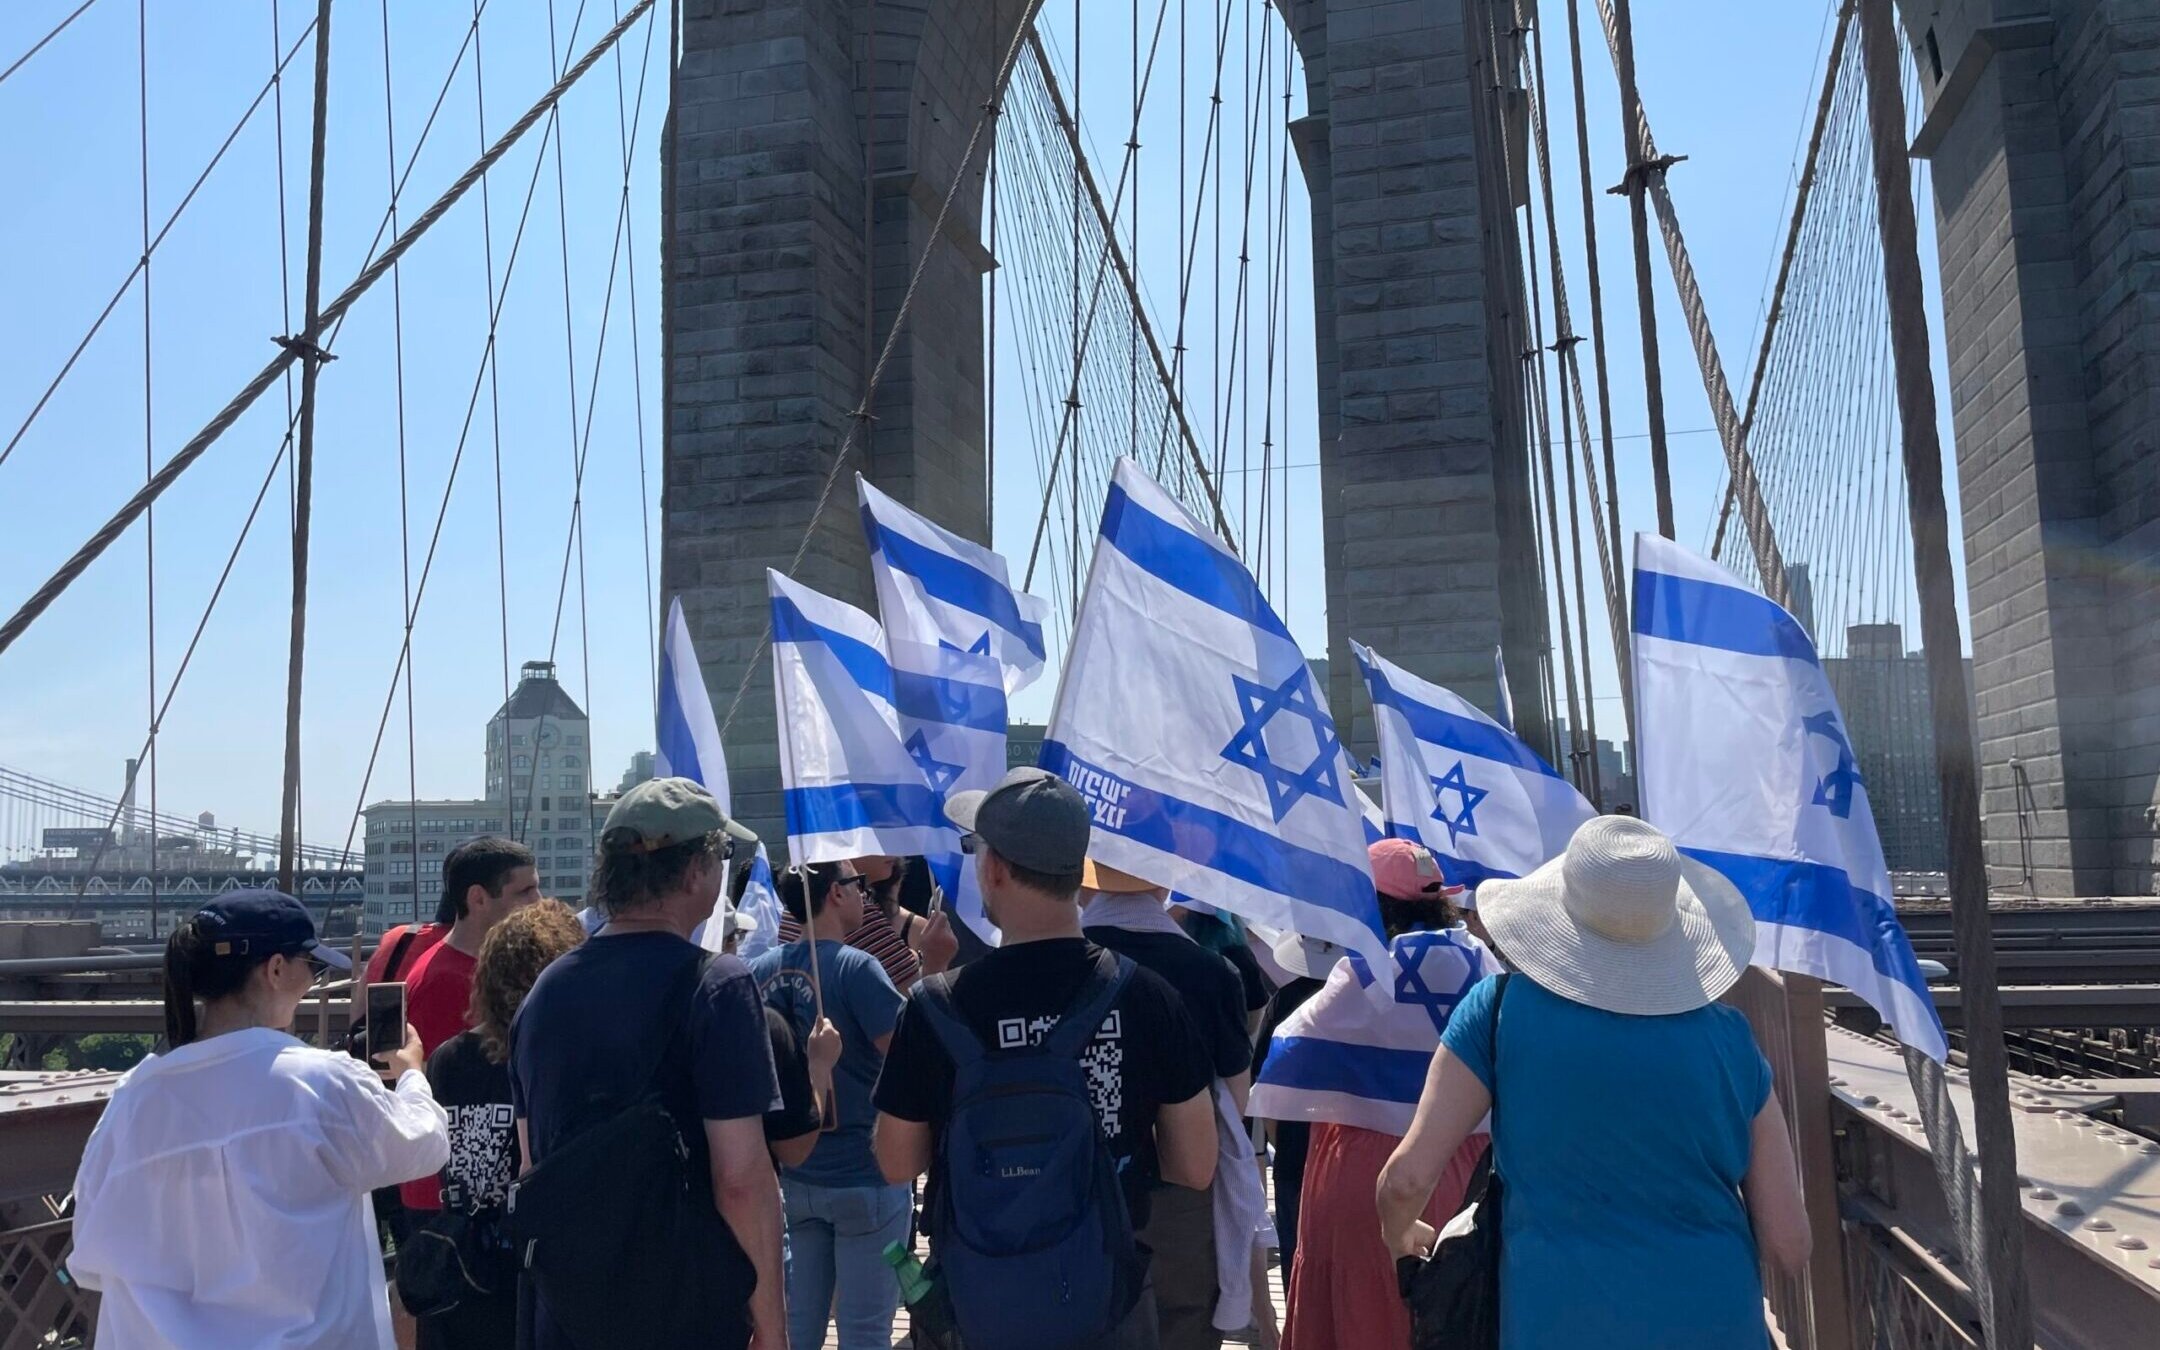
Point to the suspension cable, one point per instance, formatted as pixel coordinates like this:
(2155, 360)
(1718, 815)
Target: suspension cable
(142, 131)
(141, 263)
(56, 30)
(42, 598)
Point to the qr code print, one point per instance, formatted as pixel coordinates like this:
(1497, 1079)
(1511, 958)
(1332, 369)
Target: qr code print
(481, 1140)
(1103, 1061)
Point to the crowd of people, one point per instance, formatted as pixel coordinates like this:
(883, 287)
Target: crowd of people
(612, 1130)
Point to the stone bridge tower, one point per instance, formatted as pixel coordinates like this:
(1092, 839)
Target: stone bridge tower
(2043, 136)
(776, 296)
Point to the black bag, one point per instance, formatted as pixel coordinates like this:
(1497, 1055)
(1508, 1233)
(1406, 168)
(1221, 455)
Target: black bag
(621, 1240)
(452, 1257)
(1454, 1294)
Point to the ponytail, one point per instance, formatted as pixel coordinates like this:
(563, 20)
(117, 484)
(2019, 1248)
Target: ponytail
(193, 971)
(182, 952)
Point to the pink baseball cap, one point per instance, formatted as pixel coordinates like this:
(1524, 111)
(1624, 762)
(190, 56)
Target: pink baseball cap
(1405, 870)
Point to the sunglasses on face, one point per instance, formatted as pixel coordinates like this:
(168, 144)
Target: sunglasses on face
(969, 844)
(857, 881)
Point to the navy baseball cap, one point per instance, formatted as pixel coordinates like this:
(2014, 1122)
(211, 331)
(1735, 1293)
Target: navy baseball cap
(264, 923)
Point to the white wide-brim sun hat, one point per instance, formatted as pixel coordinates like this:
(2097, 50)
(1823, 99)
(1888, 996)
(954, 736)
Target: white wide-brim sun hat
(1624, 922)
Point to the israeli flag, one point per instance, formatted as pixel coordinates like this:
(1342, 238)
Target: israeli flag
(1189, 720)
(943, 591)
(686, 737)
(1458, 782)
(1356, 1052)
(761, 901)
(686, 744)
(1747, 765)
(951, 614)
(868, 751)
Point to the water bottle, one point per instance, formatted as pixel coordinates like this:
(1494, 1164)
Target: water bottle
(930, 1316)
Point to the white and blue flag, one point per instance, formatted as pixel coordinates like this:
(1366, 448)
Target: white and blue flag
(1191, 723)
(1456, 781)
(941, 590)
(761, 901)
(868, 751)
(1507, 695)
(686, 744)
(1356, 1053)
(951, 615)
(1746, 763)
(686, 738)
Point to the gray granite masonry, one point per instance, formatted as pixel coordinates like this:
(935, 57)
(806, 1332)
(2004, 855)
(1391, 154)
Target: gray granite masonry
(2043, 134)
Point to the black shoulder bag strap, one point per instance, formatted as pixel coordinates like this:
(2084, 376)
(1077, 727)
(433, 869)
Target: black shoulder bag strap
(675, 1014)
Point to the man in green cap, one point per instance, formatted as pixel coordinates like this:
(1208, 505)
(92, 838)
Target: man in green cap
(641, 1010)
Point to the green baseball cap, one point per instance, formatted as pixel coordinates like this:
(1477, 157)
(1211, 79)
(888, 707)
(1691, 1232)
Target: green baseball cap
(663, 812)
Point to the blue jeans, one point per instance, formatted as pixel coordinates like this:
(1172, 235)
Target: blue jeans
(837, 1236)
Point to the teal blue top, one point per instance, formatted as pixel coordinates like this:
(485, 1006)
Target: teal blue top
(1622, 1142)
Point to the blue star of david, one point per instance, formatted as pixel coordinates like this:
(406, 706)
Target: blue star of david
(979, 647)
(1462, 822)
(1835, 789)
(1286, 787)
(1410, 986)
(941, 775)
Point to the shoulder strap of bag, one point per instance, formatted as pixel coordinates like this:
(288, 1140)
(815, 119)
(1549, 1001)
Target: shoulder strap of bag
(1499, 1003)
(961, 1043)
(675, 1014)
(396, 962)
(1090, 1006)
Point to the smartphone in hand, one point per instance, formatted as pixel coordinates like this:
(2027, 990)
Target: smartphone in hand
(385, 1020)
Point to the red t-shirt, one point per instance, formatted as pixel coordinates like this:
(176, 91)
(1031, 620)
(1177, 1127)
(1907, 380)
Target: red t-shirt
(423, 940)
(436, 998)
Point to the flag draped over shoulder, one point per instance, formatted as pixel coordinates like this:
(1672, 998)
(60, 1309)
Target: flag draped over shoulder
(1356, 1052)
(1458, 782)
(1747, 764)
(1189, 720)
(951, 617)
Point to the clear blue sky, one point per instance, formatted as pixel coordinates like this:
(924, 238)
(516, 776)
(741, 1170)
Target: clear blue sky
(1727, 85)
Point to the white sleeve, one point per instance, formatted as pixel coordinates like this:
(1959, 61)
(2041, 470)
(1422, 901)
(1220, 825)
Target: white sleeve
(379, 1137)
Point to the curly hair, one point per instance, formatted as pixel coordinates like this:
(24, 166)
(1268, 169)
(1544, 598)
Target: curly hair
(512, 956)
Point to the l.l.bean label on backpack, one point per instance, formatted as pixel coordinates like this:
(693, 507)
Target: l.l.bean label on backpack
(1103, 1061)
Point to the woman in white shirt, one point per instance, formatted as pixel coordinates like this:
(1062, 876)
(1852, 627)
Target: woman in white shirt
(223, 1198)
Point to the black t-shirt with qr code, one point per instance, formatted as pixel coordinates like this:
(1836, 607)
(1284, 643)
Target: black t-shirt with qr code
(1147, 1053)
(474, 1092)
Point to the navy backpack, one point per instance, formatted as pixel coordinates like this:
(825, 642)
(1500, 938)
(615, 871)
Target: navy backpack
(1029, 1226)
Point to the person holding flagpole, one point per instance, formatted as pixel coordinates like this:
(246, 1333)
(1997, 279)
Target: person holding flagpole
(841, 1213)
(1645, 1155)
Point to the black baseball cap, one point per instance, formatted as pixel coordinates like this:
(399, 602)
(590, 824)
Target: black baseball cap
(1032, 818)
(264, 923)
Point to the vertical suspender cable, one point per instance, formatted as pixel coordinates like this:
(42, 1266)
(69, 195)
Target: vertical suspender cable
(1638, 167)
(1132, 332)
(397, 331)
(1995, 1234)
(142, 131)
(1073, 401)
(1597, 344)
(311, 357)
(997, 265)
(637, 371)
(869, 235)
(488, 357)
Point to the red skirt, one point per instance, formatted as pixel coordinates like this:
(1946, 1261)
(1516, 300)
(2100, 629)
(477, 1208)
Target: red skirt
(1341, 1291)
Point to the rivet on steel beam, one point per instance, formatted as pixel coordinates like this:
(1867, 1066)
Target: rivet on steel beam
(2043, 1193)
(2024, 1183)
(2099, 1226)
(2070, 1209)
(1871, 1100)
(2130, 1242)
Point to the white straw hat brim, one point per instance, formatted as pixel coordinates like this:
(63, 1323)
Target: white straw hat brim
(1695, 961)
